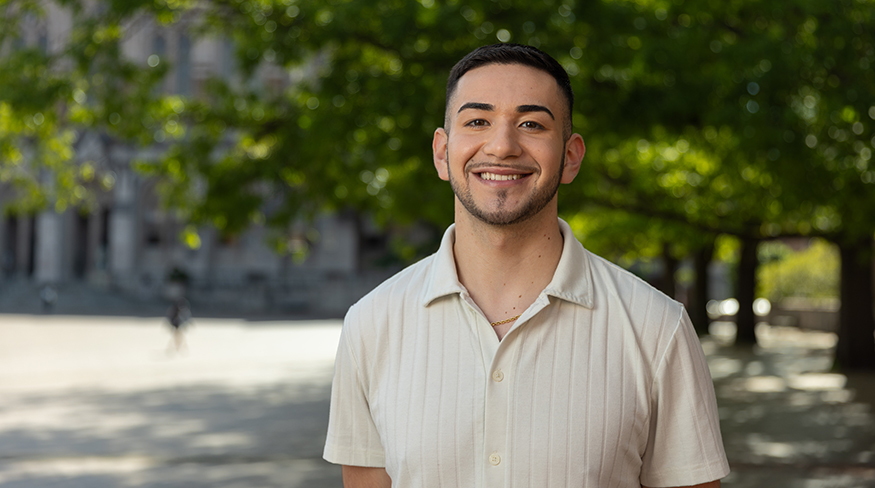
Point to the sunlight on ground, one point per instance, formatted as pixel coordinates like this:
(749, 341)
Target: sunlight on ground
(73, 466)
(788, 419)
(137, 353)
(818, 381)
(102, 402)
(110, 402)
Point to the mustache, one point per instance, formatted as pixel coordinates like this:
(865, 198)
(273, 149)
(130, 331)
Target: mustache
(473, 167)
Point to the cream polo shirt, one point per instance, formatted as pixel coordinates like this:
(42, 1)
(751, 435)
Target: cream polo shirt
(600, 383)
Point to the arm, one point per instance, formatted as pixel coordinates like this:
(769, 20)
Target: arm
(685, 445)
(363, 477)
(353, 440)
(713, 484)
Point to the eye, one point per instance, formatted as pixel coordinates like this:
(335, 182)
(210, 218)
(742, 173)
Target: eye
(531, 124)
(477, 123)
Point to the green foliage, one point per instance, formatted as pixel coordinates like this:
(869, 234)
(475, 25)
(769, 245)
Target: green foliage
(628, 238)
(727, 249)
(50, 97)
(729, 80)
(701, 117)
(772, 251)
(811, 273)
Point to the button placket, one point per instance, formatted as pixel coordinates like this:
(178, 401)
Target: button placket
(496, 415)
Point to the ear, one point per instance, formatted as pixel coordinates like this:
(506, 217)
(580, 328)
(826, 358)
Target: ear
(439, 153)
(574, 151)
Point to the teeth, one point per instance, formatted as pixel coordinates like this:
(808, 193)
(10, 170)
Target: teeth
(495, 177)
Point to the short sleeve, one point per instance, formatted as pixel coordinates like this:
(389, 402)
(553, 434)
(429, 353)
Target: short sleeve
(684, 446)
(352, 436)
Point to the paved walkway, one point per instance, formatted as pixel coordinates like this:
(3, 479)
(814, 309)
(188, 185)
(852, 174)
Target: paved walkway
(106, 402)
(787, 421)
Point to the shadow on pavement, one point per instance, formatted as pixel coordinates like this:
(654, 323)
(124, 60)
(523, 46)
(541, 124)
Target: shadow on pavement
(249, 406)
(787, 420)
(198, 436)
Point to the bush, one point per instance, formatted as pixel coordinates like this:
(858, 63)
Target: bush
(811, 273)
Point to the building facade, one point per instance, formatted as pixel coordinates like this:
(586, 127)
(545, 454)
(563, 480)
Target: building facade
(130, 243)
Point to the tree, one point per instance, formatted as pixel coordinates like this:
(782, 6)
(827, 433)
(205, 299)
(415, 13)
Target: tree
(708, 118)
(780, 96)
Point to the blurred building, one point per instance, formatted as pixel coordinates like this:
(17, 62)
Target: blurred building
(130, 243)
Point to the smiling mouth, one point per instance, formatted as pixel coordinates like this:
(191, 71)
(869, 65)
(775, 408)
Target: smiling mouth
(497, 177)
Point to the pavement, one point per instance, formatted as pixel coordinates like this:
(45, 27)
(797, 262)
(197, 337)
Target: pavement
(787, 419)
(108, 401)
(105, 402)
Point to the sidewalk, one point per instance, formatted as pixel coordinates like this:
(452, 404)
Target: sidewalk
(103, 402)
(787, 421)
(106, 402)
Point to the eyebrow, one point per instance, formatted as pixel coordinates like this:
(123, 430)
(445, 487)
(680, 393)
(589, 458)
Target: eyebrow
(535, 108)
(476, 106)
(521, 109)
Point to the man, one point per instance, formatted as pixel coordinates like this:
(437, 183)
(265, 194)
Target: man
(512, 356)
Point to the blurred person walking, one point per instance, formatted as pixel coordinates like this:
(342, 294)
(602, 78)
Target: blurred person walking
(178, 316)
(48, 295)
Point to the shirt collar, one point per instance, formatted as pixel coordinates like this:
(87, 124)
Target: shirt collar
(443, 279)
(572, 280)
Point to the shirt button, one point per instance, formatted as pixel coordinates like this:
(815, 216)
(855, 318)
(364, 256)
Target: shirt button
(497, 375)
(494, 459)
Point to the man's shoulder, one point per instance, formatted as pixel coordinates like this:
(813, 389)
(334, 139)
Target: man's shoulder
(622, 284)
(404, 287)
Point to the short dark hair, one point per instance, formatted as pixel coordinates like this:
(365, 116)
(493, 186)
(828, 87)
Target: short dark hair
(510, 53)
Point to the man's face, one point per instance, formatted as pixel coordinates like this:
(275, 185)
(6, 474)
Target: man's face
(503, 149)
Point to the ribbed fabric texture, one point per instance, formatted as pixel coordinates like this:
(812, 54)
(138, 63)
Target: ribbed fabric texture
(601, 383)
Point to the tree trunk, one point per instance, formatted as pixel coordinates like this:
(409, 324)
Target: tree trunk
(699, 296)
(670, 267)
(856, 345)
(745, 320)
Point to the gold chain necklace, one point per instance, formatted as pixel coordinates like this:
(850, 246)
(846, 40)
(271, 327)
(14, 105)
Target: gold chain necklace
(494, 324)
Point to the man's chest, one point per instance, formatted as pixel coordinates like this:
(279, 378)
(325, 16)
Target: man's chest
(556, 405)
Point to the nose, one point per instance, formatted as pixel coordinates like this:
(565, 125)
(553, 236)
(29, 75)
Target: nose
(502, 142)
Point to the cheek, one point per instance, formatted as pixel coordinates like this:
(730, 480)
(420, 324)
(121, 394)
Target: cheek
(463, 145)
(554, 156)
(458, 159)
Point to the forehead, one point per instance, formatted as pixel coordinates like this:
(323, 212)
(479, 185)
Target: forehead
(509, 85)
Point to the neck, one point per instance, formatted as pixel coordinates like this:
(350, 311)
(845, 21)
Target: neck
(505, 268)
